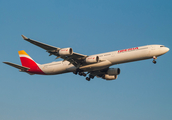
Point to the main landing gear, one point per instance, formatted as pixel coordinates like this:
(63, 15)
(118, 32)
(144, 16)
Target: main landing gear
(90, 77)
(154, 58)
(87, 78)
(81, 73)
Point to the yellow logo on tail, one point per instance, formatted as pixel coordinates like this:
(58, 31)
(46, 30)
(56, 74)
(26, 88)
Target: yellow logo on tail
(22, 52)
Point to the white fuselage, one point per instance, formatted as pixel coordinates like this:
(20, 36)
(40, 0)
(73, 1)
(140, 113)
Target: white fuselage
(107, 59)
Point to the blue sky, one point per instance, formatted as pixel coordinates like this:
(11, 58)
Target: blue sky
(142, 90)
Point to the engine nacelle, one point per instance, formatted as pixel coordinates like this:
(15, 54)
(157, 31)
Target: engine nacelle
(65, 51)
(110, 77)
(113, 71)
(92, 59)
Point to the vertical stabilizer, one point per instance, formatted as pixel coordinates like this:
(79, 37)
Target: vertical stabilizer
(27, 61)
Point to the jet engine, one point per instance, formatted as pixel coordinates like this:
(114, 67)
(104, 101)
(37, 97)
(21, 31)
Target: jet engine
(92, 59)
(110, 77)
(113, 71)
(111, 74)
(65, 51)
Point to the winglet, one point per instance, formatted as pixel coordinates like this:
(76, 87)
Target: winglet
(24, 37)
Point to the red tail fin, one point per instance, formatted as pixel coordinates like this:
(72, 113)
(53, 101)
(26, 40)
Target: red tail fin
(27, 61)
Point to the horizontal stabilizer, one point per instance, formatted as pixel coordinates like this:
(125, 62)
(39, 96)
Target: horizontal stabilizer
(17, 66)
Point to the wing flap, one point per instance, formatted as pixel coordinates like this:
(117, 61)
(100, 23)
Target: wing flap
(17, 66)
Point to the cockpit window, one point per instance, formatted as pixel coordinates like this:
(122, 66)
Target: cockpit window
(162, 46)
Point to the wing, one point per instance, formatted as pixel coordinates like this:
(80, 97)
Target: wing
(75, 59)
(39, 44)
(17, 66)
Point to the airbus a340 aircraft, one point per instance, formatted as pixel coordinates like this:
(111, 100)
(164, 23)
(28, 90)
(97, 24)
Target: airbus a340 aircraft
(90, 66)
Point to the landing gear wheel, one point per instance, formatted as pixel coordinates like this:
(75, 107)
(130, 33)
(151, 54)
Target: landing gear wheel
(91, 76)
(80, 73)
(87, 78)
(84, 74)
(154, 61)
(154, 58)
(75, 73)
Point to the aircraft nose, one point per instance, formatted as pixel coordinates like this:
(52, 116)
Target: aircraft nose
(166, 49)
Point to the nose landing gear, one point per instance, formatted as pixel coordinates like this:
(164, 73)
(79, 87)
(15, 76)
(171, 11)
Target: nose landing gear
(154, 58)
(154, 61)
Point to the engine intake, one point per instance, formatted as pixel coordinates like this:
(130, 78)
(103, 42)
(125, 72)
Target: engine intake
(92, 59)
(65, 51)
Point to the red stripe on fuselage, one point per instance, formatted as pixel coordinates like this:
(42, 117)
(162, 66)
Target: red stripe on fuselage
(34, 68)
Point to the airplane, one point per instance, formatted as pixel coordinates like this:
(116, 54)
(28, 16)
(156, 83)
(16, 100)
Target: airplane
(94, 65)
